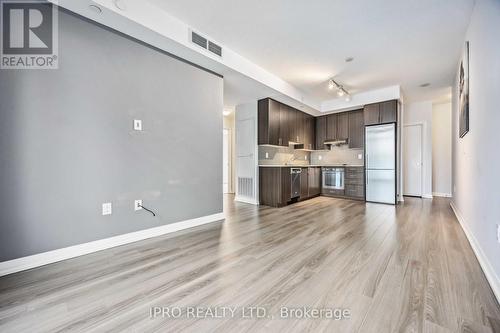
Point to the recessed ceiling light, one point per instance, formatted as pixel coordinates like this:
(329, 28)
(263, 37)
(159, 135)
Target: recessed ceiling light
(349, 59)
(423, 85)
(95, 9)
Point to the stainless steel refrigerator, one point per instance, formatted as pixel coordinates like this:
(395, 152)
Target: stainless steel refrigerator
(380, 162)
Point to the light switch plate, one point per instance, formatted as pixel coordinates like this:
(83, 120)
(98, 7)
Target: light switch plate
(137, 204)
(267, 155)
(320, 157)
(137, 124)
(107, 208)
(360, 156)
(498, 233)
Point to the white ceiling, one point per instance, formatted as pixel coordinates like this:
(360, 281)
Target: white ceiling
(405, 42)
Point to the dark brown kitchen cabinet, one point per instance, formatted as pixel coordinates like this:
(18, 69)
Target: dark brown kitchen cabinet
(314, 181)
(320, 132)
(354, 183)
(304, 184)
(274, 186)
(300, 123)
(284, 125)
(342, 126)
(268, 122)
(372, 114)
(309, 131)
(356, 129)
(381, 113)
(388, 112)
(291, 123)
(331, 127)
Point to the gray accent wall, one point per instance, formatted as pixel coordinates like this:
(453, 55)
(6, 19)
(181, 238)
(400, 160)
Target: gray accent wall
(67, 143)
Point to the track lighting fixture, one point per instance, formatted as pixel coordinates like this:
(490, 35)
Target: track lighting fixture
(340, 89)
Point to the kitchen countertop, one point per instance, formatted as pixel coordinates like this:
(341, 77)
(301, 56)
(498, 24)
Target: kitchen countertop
(306, 166)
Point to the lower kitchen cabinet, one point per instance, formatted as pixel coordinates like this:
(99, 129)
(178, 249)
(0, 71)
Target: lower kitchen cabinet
(274, 186)
(354, 183)
(304, 184)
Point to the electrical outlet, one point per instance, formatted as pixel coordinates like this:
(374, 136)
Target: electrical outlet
(498, 233)
(360, 156)
(267, 155)
(320, 157)
(107, 208)
(137, 204)
(305, 157)
(137, 124)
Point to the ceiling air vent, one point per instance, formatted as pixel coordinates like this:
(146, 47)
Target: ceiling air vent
(214, 48)
(199, 40)
(206, 44)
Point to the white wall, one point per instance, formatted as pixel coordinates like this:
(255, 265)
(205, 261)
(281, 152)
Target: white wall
(421, 113)
(441, 149)
(476, 158)
(246, 152)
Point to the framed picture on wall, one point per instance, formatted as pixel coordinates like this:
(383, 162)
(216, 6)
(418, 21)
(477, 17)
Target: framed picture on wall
(463, 89)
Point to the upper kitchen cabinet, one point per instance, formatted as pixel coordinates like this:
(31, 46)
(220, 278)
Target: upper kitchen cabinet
(280, 124)
(284, 124)
(269, 123)
(337, 126)
(356, 129)
(310, 133)
(389, 112)
(331, 127)
(321, 132)
(342, 126)
(381, 113)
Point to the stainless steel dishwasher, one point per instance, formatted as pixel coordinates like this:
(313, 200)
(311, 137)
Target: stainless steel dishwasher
(295, 181)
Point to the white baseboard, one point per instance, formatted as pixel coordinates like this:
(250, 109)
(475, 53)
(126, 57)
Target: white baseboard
(246, 200)
(24, 263)
(427, 196)
(488, 270)
(444, 195)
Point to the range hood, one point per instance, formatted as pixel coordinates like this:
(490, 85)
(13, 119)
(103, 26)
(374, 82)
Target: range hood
(336, 142)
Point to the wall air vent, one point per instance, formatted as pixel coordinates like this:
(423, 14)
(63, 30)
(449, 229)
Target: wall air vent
(214, 48)
(206, 44)
(199, 40)
(245, 187)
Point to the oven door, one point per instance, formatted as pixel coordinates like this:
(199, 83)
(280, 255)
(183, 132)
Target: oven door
(333, 179)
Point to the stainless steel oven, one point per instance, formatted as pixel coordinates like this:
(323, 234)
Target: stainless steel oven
(333, 178)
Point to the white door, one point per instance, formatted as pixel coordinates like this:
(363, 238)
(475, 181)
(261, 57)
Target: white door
(412, 164)
(225, 160)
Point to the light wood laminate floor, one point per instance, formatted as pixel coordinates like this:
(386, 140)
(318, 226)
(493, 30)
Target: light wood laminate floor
(406, 268)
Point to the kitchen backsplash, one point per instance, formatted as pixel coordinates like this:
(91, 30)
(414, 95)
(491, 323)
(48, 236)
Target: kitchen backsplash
(338, 155)
(283, 155)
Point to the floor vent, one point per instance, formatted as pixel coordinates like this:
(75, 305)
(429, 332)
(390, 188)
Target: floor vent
(245, 187)
(206, 44)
